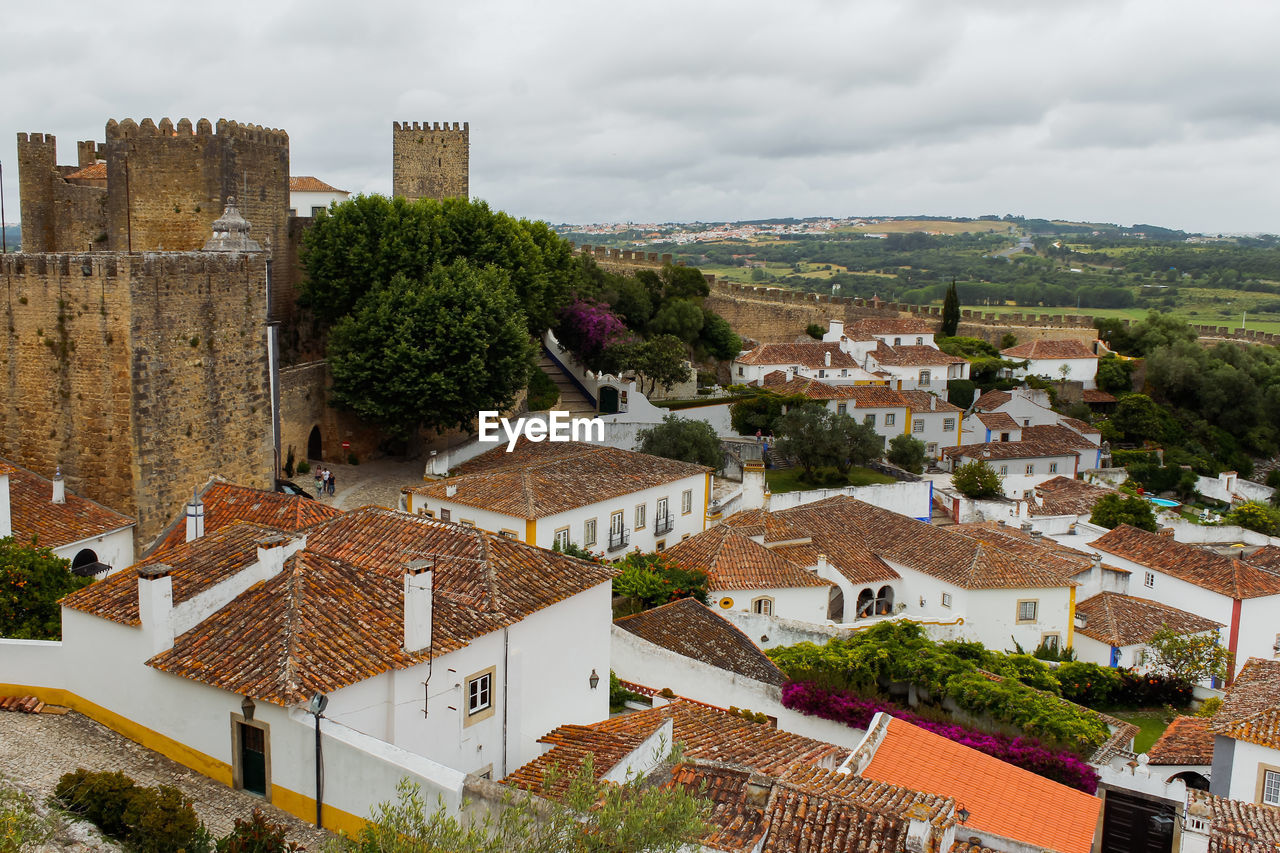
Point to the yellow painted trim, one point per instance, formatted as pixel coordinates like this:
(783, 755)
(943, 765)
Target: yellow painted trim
(959, 428)
(906, 429)
(298, 805)
(1071, 619)
(531, 531)
(706, 501)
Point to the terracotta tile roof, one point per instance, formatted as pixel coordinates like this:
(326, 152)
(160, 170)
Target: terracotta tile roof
(689, 628)
(1002, 799)
(1066, 496)
(1123, 620)
(579, 475)
(308, 184)
(937, 551)
(227, 503)
(1094, 396)
(1249, 706)
(1187, 740)
(1062, 436)
(811, 355)
(922, 402)
(812, 809)
(733, 561)
(998, 421)
(867, 326)
(861, 396)
(1051, 557)
(1266, 557)
(708, 734)
(33, 514)
(92, 172)
(913, 356)
(1079, 426)
(1239, 827)
(197, 566)
(1024, 449)
(974, 847)
(1224, 575)
(1049, 349)
(737, 823)
(346, 590)
(991, 400)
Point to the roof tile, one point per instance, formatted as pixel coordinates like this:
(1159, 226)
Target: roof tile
(227, 503)
(1187, 740)
(810, 355)
(1049, 349)
(33, 514)
(689, 628)
(1123, 620)
(1224, 575)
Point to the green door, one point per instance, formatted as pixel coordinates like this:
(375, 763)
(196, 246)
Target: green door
(608, 400)
(253, 760)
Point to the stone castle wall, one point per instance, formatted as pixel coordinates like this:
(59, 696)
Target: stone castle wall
(57, 216)
(140, 375)
(430, 160)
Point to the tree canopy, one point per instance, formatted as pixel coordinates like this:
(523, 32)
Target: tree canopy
(907, 452)
(32, 579)
(950, 311)
(1116, 509)
(818, 438)
(431, 352)
(977, 479)
(1190, 658)
(684, 439)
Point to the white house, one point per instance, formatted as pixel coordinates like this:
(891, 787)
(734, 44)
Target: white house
(883, 408)
(933, 420)
(894, 331)
(95, 539)
(599, 498)
(308, 196)
(1022, 464)
(1246, 743)
(442, 651)
(1027, 406)
(812, 360)
(982, 427)
(915, 366)
(1060, 359)
(1242, 597)
(1113, 629)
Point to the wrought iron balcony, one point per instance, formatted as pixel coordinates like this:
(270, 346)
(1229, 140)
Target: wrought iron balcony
(619, 539)
(663, 524)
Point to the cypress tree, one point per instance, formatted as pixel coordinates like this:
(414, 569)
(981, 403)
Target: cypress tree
(950, 312)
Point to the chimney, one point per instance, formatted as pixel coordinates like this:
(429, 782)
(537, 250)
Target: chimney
(933, 402)
(195, 517)
(418, 597)
(821, 566)
(1036, 534)
(826, 357)
(835, 331)
(1025, 527)
(155, 604)
(273, 550)
(6, 517)
(755, 490)
(450, 490)
(1097, 563)
(1166, 532)
(59, 486)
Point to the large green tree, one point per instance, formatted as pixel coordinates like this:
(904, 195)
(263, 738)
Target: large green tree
(1138, 418)
(363, 243)
(1117, 509)
(684, 439)
(907, 452)
(32, 579)
(819, 438)
(977, 479)
(1190, 658)
(431, 352)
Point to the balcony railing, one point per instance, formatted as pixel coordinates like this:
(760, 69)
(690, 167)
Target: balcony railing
(663, 524)
(619, 539)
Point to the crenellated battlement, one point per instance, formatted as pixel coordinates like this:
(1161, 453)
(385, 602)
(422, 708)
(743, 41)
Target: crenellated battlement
(429, 126)
(147, 128)
(37, 139)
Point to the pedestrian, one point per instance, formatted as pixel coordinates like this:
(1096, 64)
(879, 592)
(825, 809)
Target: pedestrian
(324, 476)
(319, 482)
(333, 484)
(759, 436)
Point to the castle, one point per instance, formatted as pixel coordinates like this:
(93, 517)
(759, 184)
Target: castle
(140, 355)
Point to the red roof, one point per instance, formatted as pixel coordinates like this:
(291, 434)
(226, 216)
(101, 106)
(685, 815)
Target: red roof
(812, 355)
(1224, 575)
(93, 172)
(1001, 799)
(1061, 349)
(33, 513)
(227, 503)
(308, 184)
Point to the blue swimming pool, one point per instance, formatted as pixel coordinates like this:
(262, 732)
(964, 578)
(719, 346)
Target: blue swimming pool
(1165, 502)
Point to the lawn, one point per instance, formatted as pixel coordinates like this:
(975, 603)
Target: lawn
(788, 480)
(1151, 723)
(1199, 314)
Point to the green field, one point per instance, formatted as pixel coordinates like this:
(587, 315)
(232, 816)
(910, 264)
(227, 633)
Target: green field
(1192, 314)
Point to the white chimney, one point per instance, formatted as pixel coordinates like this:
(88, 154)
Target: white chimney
(835, 331)
(826, 357)
(273, 550)
(155, 604)
(933, 403)
(195, 518)
(450, 490)
(1026, 527)
(6, 518)
(59, 486)
(418, 596)
(755, 490)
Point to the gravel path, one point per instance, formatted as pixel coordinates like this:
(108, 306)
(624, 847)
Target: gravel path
(37, 749)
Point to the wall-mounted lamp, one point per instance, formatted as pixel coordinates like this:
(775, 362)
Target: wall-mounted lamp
(962, 814)
(246, 708)
(594, 680)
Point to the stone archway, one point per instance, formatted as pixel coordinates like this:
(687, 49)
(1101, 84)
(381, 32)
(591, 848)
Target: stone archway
(315, 448)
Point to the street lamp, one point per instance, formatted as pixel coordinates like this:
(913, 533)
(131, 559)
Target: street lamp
(315, 708)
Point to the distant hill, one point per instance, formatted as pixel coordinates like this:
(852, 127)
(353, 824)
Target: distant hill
(13, 237)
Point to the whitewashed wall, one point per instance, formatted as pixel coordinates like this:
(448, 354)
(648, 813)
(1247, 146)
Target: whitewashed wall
(114, 548)
(913, 500)
(804, 604)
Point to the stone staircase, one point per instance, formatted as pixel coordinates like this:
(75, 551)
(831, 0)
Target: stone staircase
(572, 400)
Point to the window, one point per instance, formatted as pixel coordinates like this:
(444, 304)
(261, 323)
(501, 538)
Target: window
(1028, 610)
(946, 599)
(931, 449)
(1049, 641)
(1026, 422)
(466, 522)
(822, 374)
(617, 532)
(509, 534)
(890, 419)
(561, 538)
(884, 601)
(1031, 468)
(479, 696)
(317, 210)
(763, 606)
(917, 425)
(1053, 467)
(1149, 580)
(660, 545)
(662, 522)
(866, 604)
(1004, 436)
(589, 532)
(1004, 470)
(924, 377)
(1271, 787)
(869, 420)
(739, 371)
(897, 342)
(293, 211)
(686, 501)
(842, 408)
(948, 424)
(444, 515)
(640, 519)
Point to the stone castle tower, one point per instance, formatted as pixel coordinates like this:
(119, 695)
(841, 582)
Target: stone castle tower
(430, 160)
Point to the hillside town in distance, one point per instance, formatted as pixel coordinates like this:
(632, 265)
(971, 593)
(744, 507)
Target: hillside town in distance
(745, 568)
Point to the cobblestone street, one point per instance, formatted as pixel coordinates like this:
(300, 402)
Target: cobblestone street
(377, 482)
(37, 749)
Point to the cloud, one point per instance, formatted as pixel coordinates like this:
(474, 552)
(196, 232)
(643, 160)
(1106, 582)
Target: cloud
(579, 111)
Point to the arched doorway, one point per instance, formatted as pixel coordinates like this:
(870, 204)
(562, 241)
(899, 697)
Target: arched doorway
(835, 604)
(314, 447)
(884, 601)
(608, 400)
(866, 601)
(85, 564)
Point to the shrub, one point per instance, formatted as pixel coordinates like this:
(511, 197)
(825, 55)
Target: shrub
(304, 467)
(652, 579)
(1210, 706)
(1146, 690)
(100, 798)
(815, 331)
(257, 835)
(22, 827)
(977, 479)
(1089, 684)
(1253, 515)
(288, 463)
(543, 392)
(162, 820)
(907, 452)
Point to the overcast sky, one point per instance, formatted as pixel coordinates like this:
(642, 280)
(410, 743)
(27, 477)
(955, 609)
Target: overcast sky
(1161, 112)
